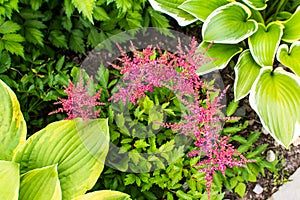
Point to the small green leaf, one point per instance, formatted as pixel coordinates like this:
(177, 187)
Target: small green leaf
(290, 57)
(233, 182)
(264, 43)
(13, 37)
(9, 180)
(76, 41)
(246, 71)
(5, 62)
(9, 27)
(240, 189)
(256, 4)
(69, 8)
(291, 27)
(58, 39)
(86, 7)
(223, 27)
(231, 108)
(100, 14)
(34, 36)
(140, 144)
(170, 7)
(275, 96)
(14, 48)
(201, 9)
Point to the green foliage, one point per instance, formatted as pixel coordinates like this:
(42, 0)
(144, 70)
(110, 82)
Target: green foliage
(39, 169)
(265, 30)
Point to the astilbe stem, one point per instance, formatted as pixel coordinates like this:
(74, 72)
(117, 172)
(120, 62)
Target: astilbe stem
(177, 72)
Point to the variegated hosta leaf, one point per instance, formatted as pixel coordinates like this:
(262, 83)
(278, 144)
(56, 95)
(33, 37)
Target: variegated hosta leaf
(220, 54)
(264, 43)
(104, 195)
(275, 96)
(246, 71)
(201, 8)
(9, 180)
(12, 124)
(256, 4)
(170, 7)
(291, 31)
(290, 57)
(229, 24)
(41, 184)
(78, 147)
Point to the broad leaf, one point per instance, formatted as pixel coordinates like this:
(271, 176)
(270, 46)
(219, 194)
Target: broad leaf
(41, 184)
(220, 54)
(222, 26)
(78, 147)
(12, 123)
(170, 7)
(9, 180)
(256, 4)
(104, 195)
(86, 7)
(291, 31)
(246, 71)
(290, 57)
(275, 96)
(201, 8)
(264, 43)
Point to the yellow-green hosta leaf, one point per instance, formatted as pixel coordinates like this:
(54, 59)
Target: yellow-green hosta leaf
(86, 7)
(256, 4)
(290, 57)
(170, 7)
(246, 71)
(229, 24)
(264, 43)
(9, 180)
(275, 96)
(291, 31)
(12, 124)
(41, 184)
(79, 149)
(220, 54)
(104, 195)
(201, 8)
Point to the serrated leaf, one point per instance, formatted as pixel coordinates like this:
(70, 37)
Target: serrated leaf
(34, 24)
(86, 7)
(5, 61)
(220, 55)
(201, 9)
(291, 27)
(100, 14)
(264, 43)
(41, 184)
(123, 5)
(36, 4)
(223, 27)
(158, 20)
(58, 39)
(76, 41)
(130, 179)
(13, 37)
(69, 8)
(104, 195)
(170, 7)
(9, 180)
(275, 96)
(256, 4)
(34, 36)
(140, 144)
(9, 27)
(231, 108)
(246, 71)
(289, 57)
(14, 48)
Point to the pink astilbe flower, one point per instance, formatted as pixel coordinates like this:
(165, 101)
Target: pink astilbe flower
(177, 72)
(80, 102)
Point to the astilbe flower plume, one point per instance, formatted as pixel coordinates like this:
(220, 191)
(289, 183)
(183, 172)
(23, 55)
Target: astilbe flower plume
(81, 101)
(177, 72)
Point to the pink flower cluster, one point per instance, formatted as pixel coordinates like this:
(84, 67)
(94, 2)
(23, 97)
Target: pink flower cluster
(81, 101)
(177, 71)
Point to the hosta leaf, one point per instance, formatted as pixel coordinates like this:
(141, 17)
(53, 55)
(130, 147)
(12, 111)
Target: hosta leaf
(291, 31)
(264, 43)
(221, 26)
(76, 41)
(9, 27)
(41, 184)
(34, 36)
(12, 123)
(201, 8)
(290, 57)
(246, 71)
(220, 54)
(14, 48)
(79, 149)
(170, 7)
(275, 96)
(86, 7)
(104, 195)
(13, 37)
(58, 39)
(9, 180)
(256, 4)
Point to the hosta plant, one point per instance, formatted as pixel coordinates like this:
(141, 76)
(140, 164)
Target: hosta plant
(266, 33)
(61, 161)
